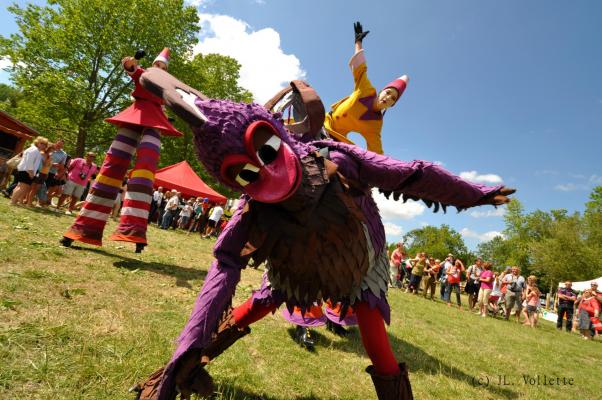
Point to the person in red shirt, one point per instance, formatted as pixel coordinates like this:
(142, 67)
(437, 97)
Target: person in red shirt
(588, 308)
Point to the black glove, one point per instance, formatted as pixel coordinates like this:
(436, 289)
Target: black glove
(139, 54)
(359, 32)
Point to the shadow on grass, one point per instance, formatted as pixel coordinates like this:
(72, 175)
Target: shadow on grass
(182, 274)
(419, 360)
(228, 391)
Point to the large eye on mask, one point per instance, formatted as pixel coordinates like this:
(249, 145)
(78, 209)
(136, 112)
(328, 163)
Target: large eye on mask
(244, 173)
(266, 145)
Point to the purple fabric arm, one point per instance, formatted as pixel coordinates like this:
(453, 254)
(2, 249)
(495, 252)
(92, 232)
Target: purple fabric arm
(215, 296)
(416, 179)
(213, 299)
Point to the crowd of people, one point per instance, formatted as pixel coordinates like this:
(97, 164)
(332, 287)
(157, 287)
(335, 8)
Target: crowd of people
(44, 171)
(495, 293)
(170, 210)
(44, 175)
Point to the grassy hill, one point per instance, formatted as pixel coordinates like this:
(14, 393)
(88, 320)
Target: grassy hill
(87, 323)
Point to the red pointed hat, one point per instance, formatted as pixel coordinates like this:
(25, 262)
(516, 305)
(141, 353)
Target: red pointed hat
(399, 84)
(163, 56)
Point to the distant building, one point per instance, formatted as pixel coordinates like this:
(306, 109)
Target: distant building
(13, 135)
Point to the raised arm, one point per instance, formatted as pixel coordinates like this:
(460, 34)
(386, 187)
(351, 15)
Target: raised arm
(412, 180)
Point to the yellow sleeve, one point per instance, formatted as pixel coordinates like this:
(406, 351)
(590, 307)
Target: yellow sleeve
(374, 142)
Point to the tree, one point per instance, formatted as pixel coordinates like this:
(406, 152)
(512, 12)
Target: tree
(436, 242)
(66, 59)
(497, 250)
(9, 97)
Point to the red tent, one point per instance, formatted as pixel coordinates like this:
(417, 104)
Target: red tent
(182, 178)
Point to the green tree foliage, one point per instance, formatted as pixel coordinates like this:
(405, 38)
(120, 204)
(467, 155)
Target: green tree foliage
(437, 242)
(66, 59)
(215, 76)
(9, 97)
(552, 245)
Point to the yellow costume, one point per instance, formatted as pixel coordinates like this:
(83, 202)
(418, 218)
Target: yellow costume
(354, 113)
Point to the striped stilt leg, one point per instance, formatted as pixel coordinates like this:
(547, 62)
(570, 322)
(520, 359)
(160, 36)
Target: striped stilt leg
(90, 223)
(136, 204)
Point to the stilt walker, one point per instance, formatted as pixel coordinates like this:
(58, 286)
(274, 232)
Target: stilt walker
(139, 130)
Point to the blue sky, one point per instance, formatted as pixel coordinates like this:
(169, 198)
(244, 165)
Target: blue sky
(510, 89)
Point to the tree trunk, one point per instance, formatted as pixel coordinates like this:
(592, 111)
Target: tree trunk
(82, 134)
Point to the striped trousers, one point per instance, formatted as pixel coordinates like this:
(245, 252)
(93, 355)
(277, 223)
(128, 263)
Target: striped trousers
(90, 223)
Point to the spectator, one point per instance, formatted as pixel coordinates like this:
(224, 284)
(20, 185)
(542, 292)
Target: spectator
(185, 214)
(597, 294)
(496, 293)
(80, 171)
(27, 168)
(418, 266)
(514, 292)
(395, 266)
(155, 203)
(214, 217)
(588, 308)
(40, 179)
(448, 263)
(171, 209)
(430, 278)
(119, 199)
(473, 284)
(56, 173)
(166, 196)
(486, 279)
(532, 294)
(454, 274)
(566, 305)
(198, 214)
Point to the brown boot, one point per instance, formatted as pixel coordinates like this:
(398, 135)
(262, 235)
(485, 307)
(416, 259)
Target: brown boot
(392, 387)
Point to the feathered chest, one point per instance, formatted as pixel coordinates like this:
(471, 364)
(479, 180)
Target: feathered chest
(315, 243)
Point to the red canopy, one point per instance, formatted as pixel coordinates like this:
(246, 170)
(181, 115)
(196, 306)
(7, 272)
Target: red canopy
(182, 178)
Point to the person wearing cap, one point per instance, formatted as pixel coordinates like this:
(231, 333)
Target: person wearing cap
(140, 127)
(596, 292)
(363, 110)
(566, 305)
(79, 172)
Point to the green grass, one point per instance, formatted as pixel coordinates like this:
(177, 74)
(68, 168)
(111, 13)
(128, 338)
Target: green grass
(87, 323)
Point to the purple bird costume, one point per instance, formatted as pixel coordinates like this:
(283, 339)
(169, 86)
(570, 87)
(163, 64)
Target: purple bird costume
(333, 184)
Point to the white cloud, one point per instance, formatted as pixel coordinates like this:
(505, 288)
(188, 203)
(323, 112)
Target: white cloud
(265, 68)
(498, 212)
(481, 237)
(474, 176)
(5, 62)
(569, 187)
(199, 3)
(390, 209)
(437, 162)
(393, 230)
(596, 179)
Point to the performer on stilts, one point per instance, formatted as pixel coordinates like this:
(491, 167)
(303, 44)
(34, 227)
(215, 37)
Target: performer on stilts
(140, 127)
(363, 110)
(307, 211)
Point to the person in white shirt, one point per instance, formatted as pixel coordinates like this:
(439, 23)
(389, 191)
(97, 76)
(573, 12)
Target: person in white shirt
(214, 217)
(156, 201)
(185, 214)
(171, 209)
(27, 168)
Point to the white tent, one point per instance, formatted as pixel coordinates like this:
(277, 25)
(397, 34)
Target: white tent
(580, 286)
